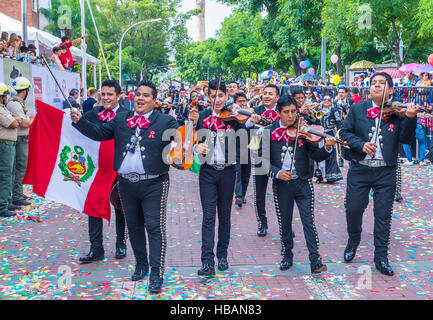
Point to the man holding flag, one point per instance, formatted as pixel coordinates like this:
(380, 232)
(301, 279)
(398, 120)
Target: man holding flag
(143, 176)
(110, 96)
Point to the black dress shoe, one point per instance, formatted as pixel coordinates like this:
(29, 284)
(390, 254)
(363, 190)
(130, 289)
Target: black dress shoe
(206, 270)
(317, 267)
(21, 203)
(383, 266)
(349, 253)
(285, 264)
(398, 197)
(139, 273)
(13, 207)
(223, 264)
(7, 214)
(155, 285)
(120, 253)
(92, 257)
(263, 231)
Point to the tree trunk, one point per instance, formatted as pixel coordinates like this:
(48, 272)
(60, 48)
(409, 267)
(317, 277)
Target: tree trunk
(339, 62)
(295, 65)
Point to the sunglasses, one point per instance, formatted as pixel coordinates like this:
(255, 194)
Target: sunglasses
(194, 96)
(133, 140)
(308, 93)
(326, 99)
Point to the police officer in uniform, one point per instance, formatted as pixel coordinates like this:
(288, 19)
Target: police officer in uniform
(143, 176)
(270, 96)
(8, 139)
(373, 166)
(293, 183)
(110, 96)
(17, 107)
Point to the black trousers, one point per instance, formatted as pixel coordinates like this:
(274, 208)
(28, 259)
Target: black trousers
(95, 232)
(145, 206)
(260, 183)
(216, 195)
(243, 172)
(360, 180)
(285, 195)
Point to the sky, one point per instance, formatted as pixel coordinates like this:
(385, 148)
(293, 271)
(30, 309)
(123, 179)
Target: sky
(215, 14)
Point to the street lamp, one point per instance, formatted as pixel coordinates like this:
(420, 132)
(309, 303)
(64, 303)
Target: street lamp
(120, 47)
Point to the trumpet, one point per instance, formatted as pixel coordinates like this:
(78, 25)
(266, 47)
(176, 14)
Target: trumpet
(313, 113)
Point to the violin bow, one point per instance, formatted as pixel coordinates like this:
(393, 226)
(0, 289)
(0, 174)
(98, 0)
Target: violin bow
(296, 145)
(213, 108)
(381, 113)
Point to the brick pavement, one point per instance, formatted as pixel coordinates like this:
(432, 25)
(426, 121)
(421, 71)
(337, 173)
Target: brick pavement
(31, 252)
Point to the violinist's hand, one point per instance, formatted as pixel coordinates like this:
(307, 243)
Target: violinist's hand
(411, 110)
(202, 148)
(285, 175)
(235, 107)
(370, 149)
(75, 115)
(255, 118)
(329, 142)
(193, 115)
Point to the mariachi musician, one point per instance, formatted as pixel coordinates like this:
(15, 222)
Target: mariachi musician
(110, 96)
(374, 146)
(290, 168)
(143, 176)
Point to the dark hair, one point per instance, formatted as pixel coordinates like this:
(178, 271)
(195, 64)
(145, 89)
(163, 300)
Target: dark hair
(73, 92)
(296, 91)
(92, 91)
(190, 94)
(31, 47)
(213, 84)
(277, 90)
(355, 90)
(238, 95)
(426, 74)
(343, 88)
(384, 74)
(56, 49)
(284, 101)
(150, 84)
(65, 39)
(112, 84)
(237, 85)
(63, 47)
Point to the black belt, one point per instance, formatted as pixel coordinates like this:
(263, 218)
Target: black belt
(135, 177)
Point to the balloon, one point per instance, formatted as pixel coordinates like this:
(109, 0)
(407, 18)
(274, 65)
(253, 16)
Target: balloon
(303, 65)
(254, 75)
(430, 59)
(308, 63)
(283, 78)
(336, 79)
(334, 58)
(311, 71)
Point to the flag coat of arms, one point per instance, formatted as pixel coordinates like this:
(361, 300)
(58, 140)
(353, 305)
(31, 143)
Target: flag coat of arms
(67, 167)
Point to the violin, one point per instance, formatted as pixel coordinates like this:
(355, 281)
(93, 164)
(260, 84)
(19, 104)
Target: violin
(181, 156)
(241, 115)
(311, 132)
(399, 108)
(162, 105)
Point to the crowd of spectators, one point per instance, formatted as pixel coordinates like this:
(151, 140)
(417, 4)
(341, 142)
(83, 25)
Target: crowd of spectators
(13, 47)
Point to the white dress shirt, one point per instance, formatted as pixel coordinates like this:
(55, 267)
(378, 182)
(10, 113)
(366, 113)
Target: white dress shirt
(133, 163)
(379, 155)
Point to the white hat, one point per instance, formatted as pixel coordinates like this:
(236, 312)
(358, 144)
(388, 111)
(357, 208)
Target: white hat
(21, 83)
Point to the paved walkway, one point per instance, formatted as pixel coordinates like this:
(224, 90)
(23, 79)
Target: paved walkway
(36, 258)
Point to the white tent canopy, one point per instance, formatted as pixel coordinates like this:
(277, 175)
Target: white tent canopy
(42, 39)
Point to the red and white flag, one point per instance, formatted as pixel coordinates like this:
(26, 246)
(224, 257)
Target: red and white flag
(66, 166)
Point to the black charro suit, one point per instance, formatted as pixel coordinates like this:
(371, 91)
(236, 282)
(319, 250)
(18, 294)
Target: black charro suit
(260, 183)
(299, 189)
(216, 190)
(144, 201)
(357, 129)
(95, 223)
